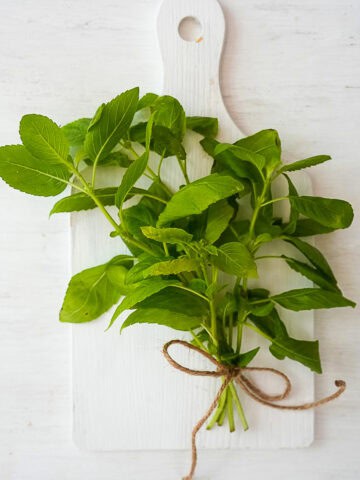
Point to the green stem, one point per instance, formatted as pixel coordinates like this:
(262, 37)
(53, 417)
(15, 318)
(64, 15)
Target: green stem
(221, 418)
(218, 411)
(192, 291)
(257, 330)
(239, 336)
(183, 169)
(268, 256)
(230, 411)
(273, 201)
(257, 208)
(166, 250)
(238, 406)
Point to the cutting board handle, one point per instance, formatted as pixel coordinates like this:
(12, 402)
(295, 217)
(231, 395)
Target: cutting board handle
(191, 68)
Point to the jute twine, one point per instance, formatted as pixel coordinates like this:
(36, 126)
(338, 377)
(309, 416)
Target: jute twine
(231, 373)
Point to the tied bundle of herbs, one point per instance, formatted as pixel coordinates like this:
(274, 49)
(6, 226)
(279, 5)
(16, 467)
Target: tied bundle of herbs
(194, 252)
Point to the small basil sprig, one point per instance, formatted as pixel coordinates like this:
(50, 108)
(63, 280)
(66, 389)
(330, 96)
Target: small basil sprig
(181, 240)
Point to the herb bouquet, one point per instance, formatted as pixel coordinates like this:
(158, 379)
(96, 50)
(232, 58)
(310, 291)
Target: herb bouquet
(179, 241)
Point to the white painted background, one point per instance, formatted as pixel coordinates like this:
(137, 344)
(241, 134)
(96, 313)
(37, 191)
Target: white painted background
(290, 65)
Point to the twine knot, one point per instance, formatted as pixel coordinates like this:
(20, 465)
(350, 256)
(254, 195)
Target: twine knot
(234, 373)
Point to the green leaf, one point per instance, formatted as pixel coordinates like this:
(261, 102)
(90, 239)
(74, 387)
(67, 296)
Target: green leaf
(81, 201)
(131, 176)
(20, 170)
(166, 144)
(313, 255)
(234, 258)
(136, 273)
(303, 351)
(197, 196)
(135, 171)
(159, 316)
(169, 113)
(93, 291)
(110, 123)
(75, 132)
(44, 139)
(243, 359)
(229, 164)
(307, 162)
(178, 300)
(147, 100)
(329, 212)
(206, 126)
(219, 216)
(311, 298)
(171, 267)
(305, 227)
(241, 153)
(294, 214)
(168, 235)
(316, 276)
(266, 143)
(141, 291)
(115, 159)
(271, 325)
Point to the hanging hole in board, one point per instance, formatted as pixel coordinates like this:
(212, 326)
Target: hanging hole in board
(190, 29)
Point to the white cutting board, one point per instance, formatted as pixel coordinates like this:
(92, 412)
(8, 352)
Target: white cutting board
(125, 395)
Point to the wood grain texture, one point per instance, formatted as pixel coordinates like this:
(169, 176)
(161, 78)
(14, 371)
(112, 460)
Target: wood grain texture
(288, 65)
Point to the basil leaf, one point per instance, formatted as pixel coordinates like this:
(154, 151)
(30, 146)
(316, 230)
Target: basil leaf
(303, 351)
(312, 274)
(226, 161)
(169, 113)
(20, 170)
(306, 163)
(243, 359)
(44, 139)
(311, 298)
(168, 318)
(166, 144)
(198, 196)
(75, 132)
(136, 273)
(241, 153)
(109, 125)
(168, 235)
(234, 258)
(329, 212)
(93, 291)
(313, 255)
(270, 324)
(171, 267)
(114, 159)
(141, 291)
(176, 300)
(267, 144)
(81, 201)
(294, 214)
(219, 216)
(131, 176)
(206, 126)
(305, 227)
(147, 100)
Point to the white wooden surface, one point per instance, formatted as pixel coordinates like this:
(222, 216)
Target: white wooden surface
(288, 65)
(115, 377)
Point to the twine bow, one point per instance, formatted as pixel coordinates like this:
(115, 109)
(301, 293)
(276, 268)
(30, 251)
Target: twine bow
(232, 373)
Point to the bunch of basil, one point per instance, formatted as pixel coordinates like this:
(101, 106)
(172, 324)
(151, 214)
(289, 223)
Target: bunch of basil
(179, 241)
